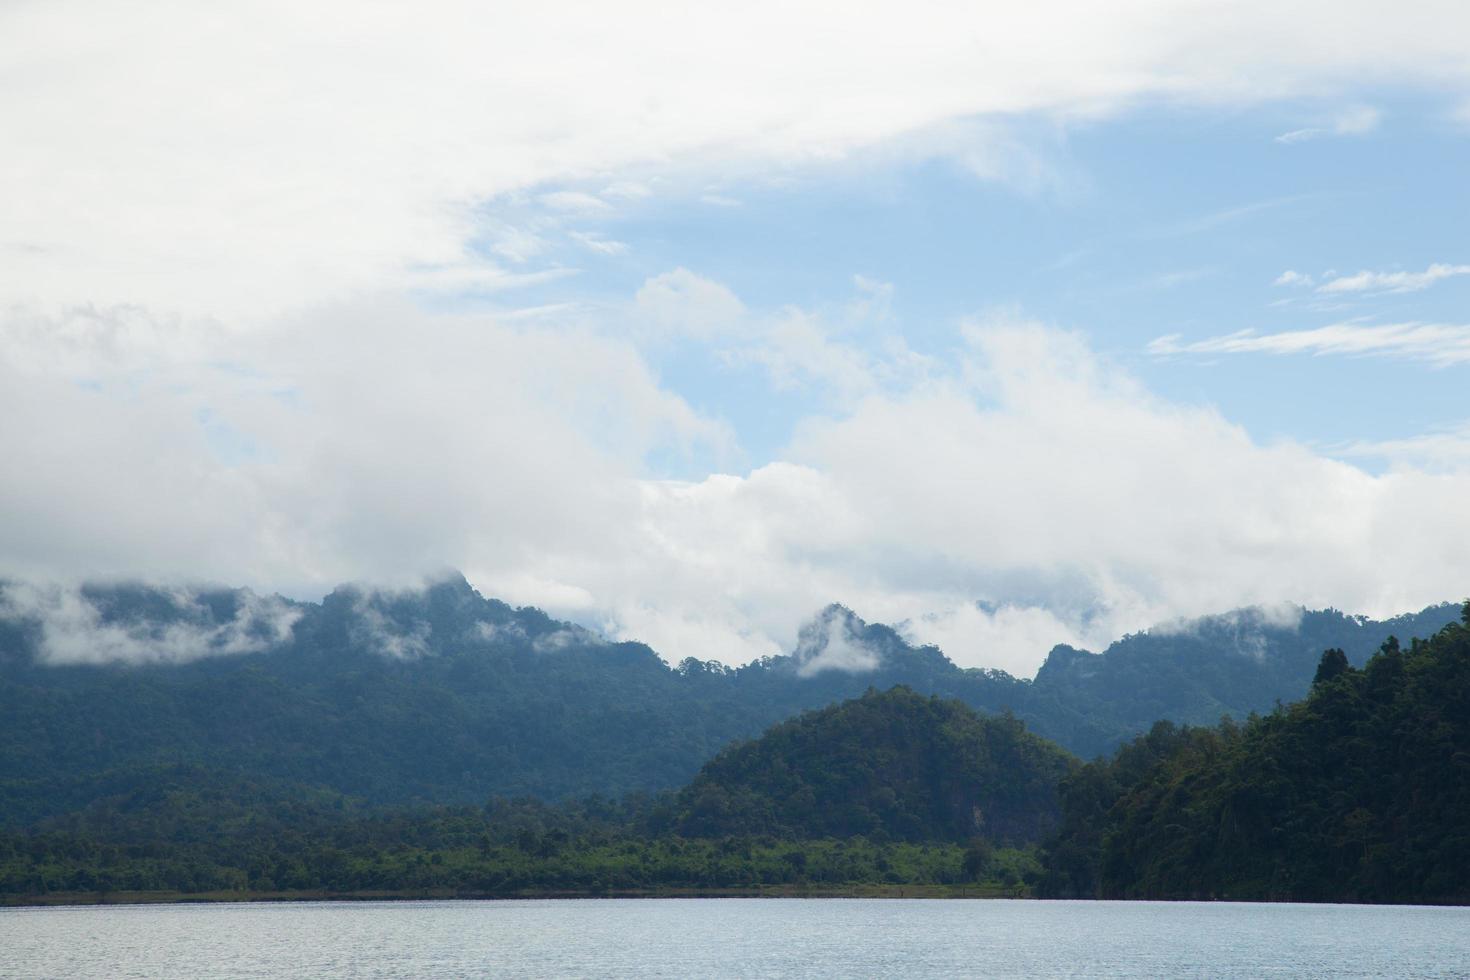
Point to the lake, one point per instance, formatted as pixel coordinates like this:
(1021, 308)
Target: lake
(734, 938)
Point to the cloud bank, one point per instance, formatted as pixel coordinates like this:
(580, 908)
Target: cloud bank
(223, 231)
(238, 161)
(1023, 471)
(73, 629)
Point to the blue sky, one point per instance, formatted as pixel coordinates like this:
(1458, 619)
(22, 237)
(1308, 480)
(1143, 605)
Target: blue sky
(1010, 325)
(1163, 221)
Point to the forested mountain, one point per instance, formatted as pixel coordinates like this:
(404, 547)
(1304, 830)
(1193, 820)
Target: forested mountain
(895, 765)
(441, 695)
(1197, 671)
(178, 839)
(889, 789)
(1361, 792)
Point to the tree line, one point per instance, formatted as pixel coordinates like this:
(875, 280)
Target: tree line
(1359, 792)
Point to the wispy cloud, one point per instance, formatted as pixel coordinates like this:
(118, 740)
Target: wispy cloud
(1355, 121)
(1442, 450)
(1368, 281)
(683, 303)
(1169, 280)
(479, 277)
(518, 244)
(1439, 344)
(597, 243)
(1301, 135)
(1226, 216)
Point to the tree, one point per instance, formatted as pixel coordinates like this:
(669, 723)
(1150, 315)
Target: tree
(1334, 663)
(979, 856)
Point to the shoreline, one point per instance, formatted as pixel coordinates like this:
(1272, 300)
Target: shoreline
(880, 891)
(57, 899)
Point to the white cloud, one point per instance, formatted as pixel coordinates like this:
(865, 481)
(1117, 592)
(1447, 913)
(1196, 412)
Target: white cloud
(566, 638)
(208, 371)
(842, 353)
(1301, 135)
(1244, 628)
(681, 302)
(518, 244)
(1441, 345)
(798, 350)
(1046, 481)
(385, 443)
(597, 243)
(1027, 472)
(265, 156)
(373, 630)
(1443, 450)
(1009, 637)
(73, 630)
(1293, 278)
(1393, 282)
(1278, 615)
(575, 202)
(831, 642)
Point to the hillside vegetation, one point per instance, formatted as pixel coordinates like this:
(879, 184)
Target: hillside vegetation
(441, 696)
(1360, 792)
(895, 765)
(891, 789)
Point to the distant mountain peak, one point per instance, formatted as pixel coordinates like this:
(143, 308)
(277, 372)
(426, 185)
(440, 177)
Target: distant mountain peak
(1279, 617)
(835, 640)
(1065, 659)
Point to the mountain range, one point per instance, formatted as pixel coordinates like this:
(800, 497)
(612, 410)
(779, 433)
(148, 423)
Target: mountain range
(441, 695)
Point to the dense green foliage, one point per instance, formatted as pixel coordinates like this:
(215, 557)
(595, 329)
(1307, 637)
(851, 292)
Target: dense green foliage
(1361, 792)
(1197, 672)
(442, 696)
(501, 849)
(895, 765)
(188, 831)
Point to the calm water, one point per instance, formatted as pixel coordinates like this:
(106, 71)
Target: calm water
(734, 938)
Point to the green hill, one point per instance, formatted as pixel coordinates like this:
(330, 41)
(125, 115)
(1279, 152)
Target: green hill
(896, 766)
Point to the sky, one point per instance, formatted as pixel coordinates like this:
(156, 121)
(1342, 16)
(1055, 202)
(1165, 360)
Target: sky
(1011, 325)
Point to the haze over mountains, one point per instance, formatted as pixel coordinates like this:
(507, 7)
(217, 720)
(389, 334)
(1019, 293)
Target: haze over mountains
(442, 695)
